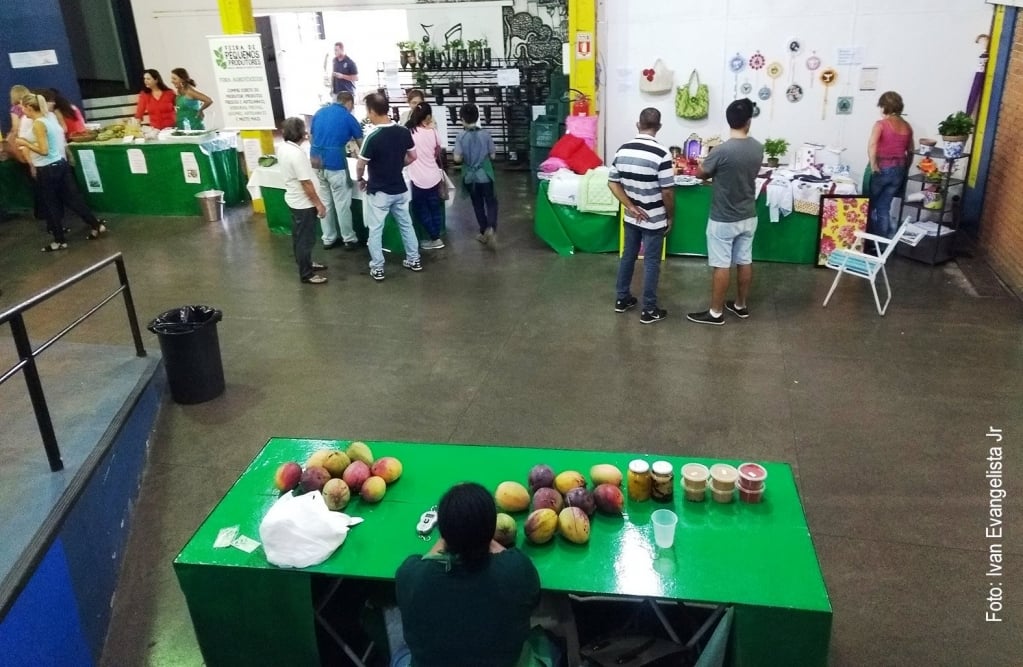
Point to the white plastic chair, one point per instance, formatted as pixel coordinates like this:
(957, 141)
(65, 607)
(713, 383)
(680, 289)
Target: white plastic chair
(863, 265)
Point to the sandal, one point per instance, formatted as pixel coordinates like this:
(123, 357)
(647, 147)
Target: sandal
(54, 247)
(94, 233)
(314, 280)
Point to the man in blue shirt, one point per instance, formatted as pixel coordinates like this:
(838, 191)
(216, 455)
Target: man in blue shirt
(332, 128)
(345, 72)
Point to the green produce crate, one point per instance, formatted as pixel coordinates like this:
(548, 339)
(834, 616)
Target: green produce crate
(545, 133)
(559, 85)
(558, 109)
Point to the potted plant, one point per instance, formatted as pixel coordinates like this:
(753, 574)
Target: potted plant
(408, 53)
(488, 55)
(954, 131)
(475, 52)
(461, 56)
(774, 148)
(422, 80)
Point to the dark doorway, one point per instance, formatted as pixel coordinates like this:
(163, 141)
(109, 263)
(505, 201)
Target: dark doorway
(273, 76)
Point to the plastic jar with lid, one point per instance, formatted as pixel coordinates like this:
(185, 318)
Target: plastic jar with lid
(662, 476)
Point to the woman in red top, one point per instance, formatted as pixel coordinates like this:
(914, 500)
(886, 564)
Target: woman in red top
(891, 143)
(68, 115)
(157, 100)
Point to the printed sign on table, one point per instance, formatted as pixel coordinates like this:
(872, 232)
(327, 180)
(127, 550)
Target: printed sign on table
(93, 182)
(191, 168)
(242, 90)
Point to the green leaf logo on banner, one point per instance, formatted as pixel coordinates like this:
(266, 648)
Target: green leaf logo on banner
(218, 55)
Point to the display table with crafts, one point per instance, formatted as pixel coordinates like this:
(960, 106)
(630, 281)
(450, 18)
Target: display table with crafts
(757, 557)
(792, 239)
(158, 177)
(268, 183)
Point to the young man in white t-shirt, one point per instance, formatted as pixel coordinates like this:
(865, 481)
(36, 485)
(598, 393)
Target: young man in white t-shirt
(301, 197)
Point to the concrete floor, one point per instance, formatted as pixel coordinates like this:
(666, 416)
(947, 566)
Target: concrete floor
(882, 418)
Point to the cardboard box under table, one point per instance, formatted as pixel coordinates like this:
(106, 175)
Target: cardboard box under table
(158, 177)
(758, 558)
(268, 183)
(793, 239)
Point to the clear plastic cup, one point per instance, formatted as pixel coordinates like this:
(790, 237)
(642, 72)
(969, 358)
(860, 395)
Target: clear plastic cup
(664, 522)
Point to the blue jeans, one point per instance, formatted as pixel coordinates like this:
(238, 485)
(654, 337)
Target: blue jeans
(335, 189)
(653, 240)
(375, 208)
(484, 204)
(884, 186)
(428, 207)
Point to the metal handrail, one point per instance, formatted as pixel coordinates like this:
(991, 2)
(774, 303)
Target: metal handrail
(27, 355)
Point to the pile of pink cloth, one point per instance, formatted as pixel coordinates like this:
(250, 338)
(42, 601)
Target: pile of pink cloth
(575, 150)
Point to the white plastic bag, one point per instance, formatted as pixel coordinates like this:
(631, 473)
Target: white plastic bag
(299, 531)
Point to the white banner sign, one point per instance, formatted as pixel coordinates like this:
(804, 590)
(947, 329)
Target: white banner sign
(242, 91)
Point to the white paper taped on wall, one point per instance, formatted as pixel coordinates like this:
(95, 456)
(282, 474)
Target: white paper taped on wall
(26, 59)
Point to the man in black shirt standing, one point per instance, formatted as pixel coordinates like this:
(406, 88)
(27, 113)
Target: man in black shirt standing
(387, 148)
(345, 72)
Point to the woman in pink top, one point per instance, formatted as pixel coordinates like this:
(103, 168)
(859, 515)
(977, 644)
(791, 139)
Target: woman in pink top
(426, 175)
(890, 150)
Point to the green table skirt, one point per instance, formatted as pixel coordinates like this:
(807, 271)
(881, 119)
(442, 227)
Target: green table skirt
(162, 190)
(15, 187)
(278, 219)
(792, 240)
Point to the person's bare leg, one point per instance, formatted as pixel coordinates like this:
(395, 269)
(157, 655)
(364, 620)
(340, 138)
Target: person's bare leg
(745, 278)
(719, 286)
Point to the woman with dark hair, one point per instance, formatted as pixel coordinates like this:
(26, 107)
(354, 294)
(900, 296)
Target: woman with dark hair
(157, 100)
(890, 151)
(68, 115)
(190, 105)
(301, 197)
(56, 185)
(426, 175)
(467, 603)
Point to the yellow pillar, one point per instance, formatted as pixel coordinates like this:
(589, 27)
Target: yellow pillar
(582, 43)
(236, 19)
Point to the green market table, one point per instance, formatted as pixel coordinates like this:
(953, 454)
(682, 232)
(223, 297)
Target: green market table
(164, 188)
(15, 187)
(565, 229)
(759, 558)
(267, 183)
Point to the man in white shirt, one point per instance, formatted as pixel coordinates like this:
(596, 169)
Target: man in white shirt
(301, 197)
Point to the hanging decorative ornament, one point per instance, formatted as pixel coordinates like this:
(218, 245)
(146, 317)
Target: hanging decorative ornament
(757, 61)
(756, 109)
(795, 46)
(736, 65)
(813, 63)
(794, 93)
(828, 78)
(746, 88)
(774, 71)
(764, 93)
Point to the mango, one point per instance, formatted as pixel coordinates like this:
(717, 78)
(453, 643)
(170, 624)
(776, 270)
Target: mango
(581, 498)
(541, 526)
(574, 525)
(541, 476)
(288, 476)
(511, 497)
(609, 498)
(548, 498)
(373, 489)
(387, 467)
(334, 460)
(605, 473)
(355, 475)
(313, 478)
(336, 494)
(359, 451)
(317, 458)
(568, 480)
(506, 530)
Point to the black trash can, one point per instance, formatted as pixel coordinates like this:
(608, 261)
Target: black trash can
(191, 352)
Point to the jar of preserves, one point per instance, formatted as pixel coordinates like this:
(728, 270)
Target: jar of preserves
(639, 481)
(662, 478)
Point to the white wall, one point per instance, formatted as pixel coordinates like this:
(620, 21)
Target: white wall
(477, 23)
(924, 48)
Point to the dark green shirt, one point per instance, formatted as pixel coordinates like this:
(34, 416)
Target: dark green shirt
(454, 617)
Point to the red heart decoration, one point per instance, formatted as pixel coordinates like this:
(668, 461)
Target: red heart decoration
(648, 73)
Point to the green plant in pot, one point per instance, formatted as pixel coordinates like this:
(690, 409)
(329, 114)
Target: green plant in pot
(475, 52)
(422, 80)
(488, 57)
(956, 127)
(775, 148)
(461, 58)
(407, 51)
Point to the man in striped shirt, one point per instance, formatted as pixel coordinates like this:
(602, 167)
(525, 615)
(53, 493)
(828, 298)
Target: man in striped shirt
(643, 180)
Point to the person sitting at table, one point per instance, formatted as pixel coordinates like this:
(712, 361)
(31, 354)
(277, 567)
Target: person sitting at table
(190, 105)
(467, 603)
(157, 100)
(55, 182)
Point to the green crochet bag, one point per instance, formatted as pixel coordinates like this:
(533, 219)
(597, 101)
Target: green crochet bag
(690, 105)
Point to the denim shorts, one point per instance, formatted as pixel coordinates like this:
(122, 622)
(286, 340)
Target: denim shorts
(730, 243)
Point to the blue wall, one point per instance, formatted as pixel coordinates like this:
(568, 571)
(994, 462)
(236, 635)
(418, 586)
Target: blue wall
(34, 25)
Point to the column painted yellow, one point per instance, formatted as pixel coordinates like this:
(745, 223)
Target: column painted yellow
(236, 19)
(582, 18)
(994, 43)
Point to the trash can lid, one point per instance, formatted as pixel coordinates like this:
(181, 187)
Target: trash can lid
(210, 194)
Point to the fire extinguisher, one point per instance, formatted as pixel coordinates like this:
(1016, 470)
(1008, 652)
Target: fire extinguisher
(581, 104)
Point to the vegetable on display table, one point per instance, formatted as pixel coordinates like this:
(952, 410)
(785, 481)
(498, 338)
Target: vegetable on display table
(758, 556)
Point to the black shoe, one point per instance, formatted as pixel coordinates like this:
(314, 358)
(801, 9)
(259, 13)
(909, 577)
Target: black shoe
(351, 245)
(706, 318)
(628, 303)
(336, 244)
(741, 313)
(54, 247)
(651, 316)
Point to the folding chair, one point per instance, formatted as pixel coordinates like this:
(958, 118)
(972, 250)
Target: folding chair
(863, 265)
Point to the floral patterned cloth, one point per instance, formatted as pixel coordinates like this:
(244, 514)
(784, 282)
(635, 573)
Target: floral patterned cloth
(841, 218)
